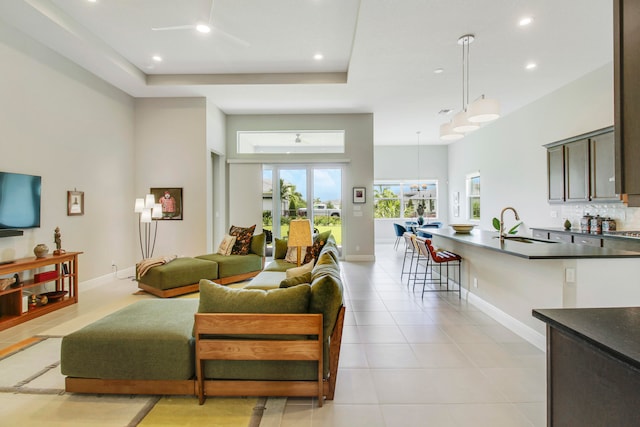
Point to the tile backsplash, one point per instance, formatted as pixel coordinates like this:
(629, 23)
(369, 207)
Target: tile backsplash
(626, 218)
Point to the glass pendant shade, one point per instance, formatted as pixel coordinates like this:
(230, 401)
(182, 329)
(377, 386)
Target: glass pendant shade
(483, 110)
(447, 133)
(461, 123)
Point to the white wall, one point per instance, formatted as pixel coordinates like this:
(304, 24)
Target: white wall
(60, 122)
(171, 151)
(412, 163)
(358, 234)
(509, 152)
(216, 176)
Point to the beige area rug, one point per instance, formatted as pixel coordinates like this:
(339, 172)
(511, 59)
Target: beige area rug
(30, 380)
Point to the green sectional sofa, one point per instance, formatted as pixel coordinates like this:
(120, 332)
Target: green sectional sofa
(182, 275)
(283, 340)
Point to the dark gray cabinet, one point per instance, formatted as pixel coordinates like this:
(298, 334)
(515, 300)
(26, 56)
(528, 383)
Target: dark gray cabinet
(626, 64)
(582, 168)
(602, 167)
(555, 166)
(577, 170)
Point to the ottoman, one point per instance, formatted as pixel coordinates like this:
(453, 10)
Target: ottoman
(178, 277)
(148, 340)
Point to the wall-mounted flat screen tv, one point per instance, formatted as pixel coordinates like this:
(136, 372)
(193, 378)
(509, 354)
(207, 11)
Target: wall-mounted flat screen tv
(19, 200)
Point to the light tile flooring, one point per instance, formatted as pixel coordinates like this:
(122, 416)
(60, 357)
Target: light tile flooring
(405, 360)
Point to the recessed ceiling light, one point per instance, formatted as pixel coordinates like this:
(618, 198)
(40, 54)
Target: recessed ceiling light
(203, 28)
(318, 57)
(531, 66)
(92, 1)
(525, 21)
(438, 71)
(157, 58)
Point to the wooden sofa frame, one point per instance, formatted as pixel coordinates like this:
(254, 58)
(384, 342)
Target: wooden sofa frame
(247, 350)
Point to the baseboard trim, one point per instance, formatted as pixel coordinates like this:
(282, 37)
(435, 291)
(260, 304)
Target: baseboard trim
(127, 273)
(509, 322)
(359, 258)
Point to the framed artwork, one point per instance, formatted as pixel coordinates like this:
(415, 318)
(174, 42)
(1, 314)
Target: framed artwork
(171, 201)
(359, 195)
(75, 203)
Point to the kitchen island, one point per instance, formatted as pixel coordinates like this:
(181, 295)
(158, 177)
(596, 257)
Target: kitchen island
(593, 366)
(506, 280)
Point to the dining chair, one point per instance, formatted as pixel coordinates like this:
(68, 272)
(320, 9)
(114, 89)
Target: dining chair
(399, 230)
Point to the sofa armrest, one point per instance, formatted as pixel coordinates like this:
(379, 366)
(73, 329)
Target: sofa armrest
(212, 330)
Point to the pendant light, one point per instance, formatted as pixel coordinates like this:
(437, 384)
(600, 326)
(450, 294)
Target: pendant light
(470, 117)
(460, 122)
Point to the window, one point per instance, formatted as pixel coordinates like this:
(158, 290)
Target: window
(291, 141)
(402, 199)
(473, 196)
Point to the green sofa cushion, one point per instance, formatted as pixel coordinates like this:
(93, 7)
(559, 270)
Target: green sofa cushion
(180, 272)
(280, 250)
(296, 280)
(147, 340)
(279, 265)
(215, 298)
(232, 265)
(258, 245)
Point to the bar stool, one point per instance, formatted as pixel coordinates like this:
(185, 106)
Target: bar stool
(440, 258)
(409, 253)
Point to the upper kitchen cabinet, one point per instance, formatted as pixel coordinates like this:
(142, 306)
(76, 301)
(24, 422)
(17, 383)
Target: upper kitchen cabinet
(626, 16)
(582, 168)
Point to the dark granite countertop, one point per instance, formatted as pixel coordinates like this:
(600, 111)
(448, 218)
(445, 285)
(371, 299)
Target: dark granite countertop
(612, 330)
(536, 250)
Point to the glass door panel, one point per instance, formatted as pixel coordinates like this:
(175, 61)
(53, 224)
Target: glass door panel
(327, 201)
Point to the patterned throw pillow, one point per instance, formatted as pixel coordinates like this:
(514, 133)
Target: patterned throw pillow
(226, 245)
(318, 244)
(243, 239)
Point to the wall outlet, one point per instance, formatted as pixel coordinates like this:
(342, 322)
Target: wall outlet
(570, 275)
(475, 282)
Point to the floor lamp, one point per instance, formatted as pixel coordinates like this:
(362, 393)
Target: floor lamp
(148, 210)
(299, 235)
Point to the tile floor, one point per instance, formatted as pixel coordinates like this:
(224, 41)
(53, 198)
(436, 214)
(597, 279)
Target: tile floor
(405, 360)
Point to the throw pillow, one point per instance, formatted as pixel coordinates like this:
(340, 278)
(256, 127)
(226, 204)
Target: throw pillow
(280, 251)
(318, 244)
(298, 280)
(243, 239)
(299, 271)
(216, 298)
(226, 245)
(292, 254)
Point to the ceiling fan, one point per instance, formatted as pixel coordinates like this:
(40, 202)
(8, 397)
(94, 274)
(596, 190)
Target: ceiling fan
(204, 27)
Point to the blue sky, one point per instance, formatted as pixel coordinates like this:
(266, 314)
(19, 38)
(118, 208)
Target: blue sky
(327, 182)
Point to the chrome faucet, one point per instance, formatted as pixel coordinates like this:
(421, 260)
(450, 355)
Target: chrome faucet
(502, 220)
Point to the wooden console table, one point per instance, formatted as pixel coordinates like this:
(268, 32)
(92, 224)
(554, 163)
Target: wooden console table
(14, 309)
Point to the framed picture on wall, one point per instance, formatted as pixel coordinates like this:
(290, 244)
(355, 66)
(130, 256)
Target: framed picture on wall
(75, 203)
(359, 195)
(171, 201)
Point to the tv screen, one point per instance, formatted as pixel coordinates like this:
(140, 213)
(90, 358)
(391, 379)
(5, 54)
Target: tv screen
(19, 200)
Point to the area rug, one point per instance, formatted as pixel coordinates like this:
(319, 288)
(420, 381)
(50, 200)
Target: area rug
(32, 368)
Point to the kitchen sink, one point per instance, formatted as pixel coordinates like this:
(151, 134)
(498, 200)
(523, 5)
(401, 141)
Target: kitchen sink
(522, 239)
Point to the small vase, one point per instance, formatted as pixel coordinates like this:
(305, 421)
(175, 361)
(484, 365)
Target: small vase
(567, 225)
(41, 250)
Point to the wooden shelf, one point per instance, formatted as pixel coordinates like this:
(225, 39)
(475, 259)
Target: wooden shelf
(11, 299)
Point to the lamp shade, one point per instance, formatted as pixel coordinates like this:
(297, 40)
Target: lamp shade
(149, 201)
(461, 123)
(447, 133)
(300, 233)
(483, 110)
(156, 212)
(139, 206)
(145, 216)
